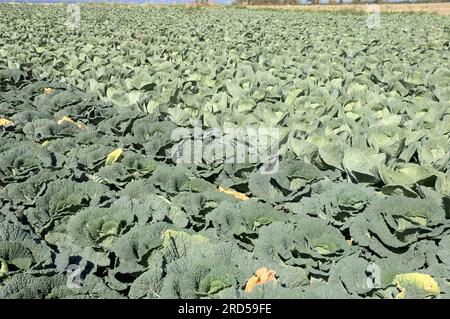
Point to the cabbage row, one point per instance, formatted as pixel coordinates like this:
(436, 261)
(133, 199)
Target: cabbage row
(363, 185)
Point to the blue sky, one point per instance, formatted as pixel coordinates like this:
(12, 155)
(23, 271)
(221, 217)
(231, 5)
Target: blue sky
(157, 1)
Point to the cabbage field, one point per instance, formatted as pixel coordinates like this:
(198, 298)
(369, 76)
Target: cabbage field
(94, 204)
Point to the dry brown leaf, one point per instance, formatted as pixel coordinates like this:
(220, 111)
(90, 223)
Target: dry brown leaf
(234, 193)
(66, 119)
(6, 122)
(49, 90)
(262, 276)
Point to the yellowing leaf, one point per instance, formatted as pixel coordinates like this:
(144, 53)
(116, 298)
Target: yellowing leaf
(49, 90)
(66, 119)
(416, 281)
(6, 122)
(45, 143)
(234, 193)
(168, 233)
(114, 156)
(262, 276)
(3, 267)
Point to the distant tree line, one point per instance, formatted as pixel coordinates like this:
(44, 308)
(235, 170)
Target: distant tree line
(266, 2)
(284, 2)
(294, 2)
